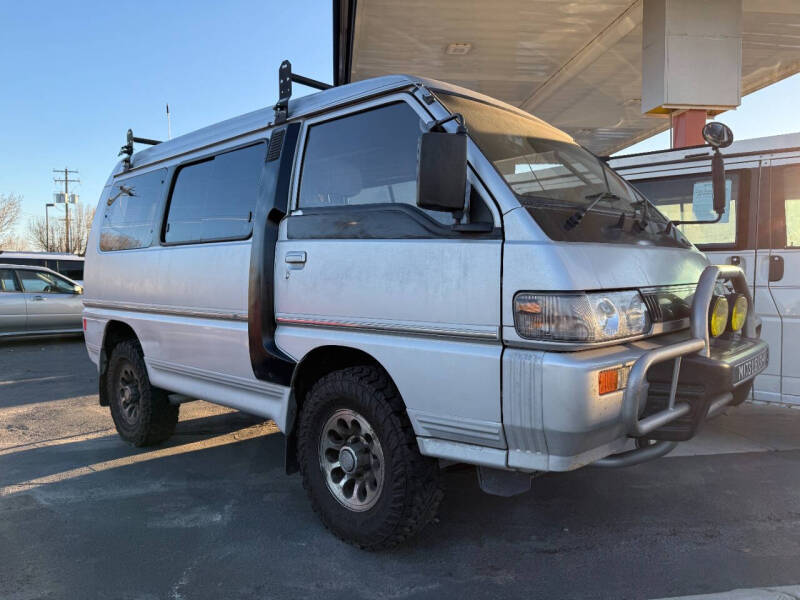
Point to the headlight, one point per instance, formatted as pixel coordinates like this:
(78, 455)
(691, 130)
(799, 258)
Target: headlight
(718, 315)
(597, 317)
(738, 312)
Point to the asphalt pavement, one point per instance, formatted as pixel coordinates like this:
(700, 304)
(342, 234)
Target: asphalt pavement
(211, 514)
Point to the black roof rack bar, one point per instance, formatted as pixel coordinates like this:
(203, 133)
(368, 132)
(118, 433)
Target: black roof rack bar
(127, 149)
(285, 79)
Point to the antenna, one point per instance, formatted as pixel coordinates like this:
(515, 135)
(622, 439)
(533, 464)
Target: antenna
(169, 125)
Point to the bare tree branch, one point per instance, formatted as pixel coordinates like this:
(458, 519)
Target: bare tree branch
(10, 207)
(80, 224)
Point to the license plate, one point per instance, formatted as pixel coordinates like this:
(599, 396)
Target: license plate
(751, 367)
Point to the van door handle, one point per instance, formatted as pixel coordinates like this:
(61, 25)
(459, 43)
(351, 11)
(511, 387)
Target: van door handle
(296, 258)
(38, 298)
(775, 267)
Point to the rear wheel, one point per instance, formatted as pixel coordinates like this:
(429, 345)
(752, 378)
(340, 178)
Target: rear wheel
(142, 413)
(360, 463)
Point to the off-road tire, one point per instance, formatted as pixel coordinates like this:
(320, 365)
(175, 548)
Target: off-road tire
(155, 418)
(411, 492)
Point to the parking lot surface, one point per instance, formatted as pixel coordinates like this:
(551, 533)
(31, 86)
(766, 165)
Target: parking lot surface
(211, 514)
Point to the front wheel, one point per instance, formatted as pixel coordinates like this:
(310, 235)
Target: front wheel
(360, 462)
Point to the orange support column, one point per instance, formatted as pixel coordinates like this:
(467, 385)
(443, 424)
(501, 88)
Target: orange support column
(687, 128)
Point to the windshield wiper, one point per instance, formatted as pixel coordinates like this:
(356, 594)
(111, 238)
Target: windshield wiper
(575, 220)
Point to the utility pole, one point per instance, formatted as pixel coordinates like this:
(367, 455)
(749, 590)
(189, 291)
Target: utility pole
(66, 181)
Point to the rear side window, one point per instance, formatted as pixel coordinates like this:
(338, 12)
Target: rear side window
(7, 281)
(214, 200)
(789, 183)
(689, 198)
(130, 211)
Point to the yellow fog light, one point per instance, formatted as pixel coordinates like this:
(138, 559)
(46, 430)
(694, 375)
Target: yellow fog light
(738, 312)
(718, 318)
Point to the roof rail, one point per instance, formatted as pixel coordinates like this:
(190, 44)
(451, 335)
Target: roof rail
(127, 149)
(285, 79)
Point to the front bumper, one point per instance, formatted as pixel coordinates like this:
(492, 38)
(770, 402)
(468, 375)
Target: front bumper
(555, 420)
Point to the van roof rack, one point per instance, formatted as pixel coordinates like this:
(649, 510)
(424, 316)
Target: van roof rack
(285, 79)
(127, 149)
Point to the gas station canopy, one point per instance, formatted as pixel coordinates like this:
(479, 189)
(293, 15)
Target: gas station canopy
(576, 64)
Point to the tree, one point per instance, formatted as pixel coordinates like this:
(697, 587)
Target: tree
(10, 207)
(80, 223)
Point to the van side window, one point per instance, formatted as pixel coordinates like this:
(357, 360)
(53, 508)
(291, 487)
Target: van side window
(214, 199)
(364, 158)
(130, 211)
(791, 202)
(689, 198)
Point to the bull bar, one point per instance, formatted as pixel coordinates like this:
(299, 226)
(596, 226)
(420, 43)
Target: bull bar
(699, 342)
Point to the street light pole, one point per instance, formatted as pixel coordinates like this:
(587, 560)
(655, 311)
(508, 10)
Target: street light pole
(47, 224)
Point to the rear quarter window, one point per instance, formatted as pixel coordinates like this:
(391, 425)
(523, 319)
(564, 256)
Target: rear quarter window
(130, 211)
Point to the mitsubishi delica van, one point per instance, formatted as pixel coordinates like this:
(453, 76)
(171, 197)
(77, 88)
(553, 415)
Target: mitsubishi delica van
(404, 275)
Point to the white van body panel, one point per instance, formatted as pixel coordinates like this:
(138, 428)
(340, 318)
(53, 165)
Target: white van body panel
(777, 303)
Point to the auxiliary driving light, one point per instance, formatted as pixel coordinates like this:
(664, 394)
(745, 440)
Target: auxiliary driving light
(718, 316)
(739, 311)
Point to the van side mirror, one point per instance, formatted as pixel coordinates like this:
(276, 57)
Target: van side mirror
(442, 171)
(718, 135)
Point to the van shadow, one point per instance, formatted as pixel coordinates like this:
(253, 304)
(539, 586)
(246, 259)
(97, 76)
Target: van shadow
(29, 463)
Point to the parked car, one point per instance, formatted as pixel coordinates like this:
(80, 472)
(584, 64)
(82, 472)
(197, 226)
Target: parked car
(401, 272)
(38, 301)
(759, 233)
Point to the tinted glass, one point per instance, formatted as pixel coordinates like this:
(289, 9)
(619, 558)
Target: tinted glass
(71, 268)
(7, 281)
(689, 198)
(130, 212)
(44, 283)
(790, 182)
(365, 158)
(215, 199)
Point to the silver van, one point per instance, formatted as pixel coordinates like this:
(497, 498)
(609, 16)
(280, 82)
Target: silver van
(404, 274)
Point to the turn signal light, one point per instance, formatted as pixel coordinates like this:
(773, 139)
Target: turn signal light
(738, 312)
(718, 317)
(608, 381)
(611, 380)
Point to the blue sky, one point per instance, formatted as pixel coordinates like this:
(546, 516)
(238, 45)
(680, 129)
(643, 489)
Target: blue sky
(76, 76)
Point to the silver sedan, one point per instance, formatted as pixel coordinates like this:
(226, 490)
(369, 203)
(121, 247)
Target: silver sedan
(38, 301)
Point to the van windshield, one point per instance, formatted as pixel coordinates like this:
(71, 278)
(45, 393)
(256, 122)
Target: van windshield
(553, 178)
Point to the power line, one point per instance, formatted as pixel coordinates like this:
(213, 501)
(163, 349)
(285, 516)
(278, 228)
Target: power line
(66, 181)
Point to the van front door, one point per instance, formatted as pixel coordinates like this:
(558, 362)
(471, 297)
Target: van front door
(358, 264)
